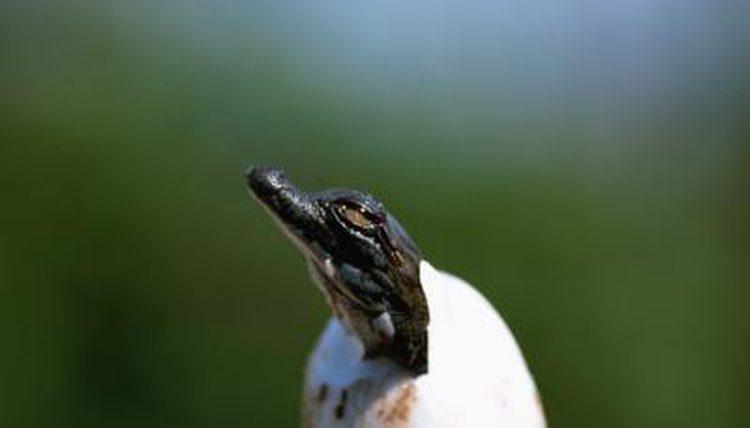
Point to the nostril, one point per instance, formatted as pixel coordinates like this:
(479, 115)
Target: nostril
(264, 180)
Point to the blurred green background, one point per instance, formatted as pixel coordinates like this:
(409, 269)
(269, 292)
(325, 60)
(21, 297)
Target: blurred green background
(587, 167)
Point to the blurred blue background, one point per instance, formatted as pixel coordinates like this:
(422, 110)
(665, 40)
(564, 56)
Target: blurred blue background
(586, 165)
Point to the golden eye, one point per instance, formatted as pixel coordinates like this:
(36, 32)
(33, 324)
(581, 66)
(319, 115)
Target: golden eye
(356, 217)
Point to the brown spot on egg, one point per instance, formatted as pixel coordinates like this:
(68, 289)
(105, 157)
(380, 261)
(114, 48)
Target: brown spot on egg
(401, 407)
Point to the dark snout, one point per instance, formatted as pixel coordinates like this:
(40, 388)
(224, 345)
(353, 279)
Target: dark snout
(266, 182)
(287, 203)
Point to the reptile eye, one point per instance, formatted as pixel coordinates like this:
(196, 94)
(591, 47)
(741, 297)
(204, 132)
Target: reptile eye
(356, 216)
